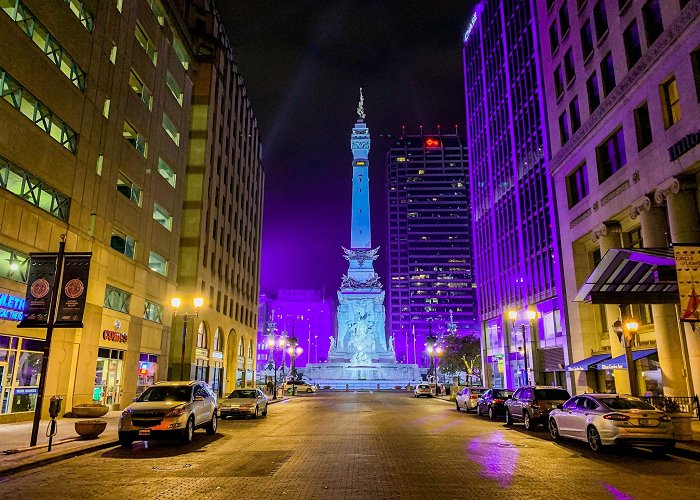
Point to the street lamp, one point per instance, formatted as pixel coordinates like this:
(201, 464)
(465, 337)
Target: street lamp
(531, 315)
(430, 342)
(176, 302)
(275, 345)
(625, 335)
(294, 350)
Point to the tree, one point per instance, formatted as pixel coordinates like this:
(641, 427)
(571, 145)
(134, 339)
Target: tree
(460, 354)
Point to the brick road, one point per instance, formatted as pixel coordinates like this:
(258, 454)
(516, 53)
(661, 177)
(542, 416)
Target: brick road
(347, 446)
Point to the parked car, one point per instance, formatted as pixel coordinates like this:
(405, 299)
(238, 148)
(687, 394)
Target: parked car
(169, 409)
(492, 402)
(466, 398)
(531, 404)
(243, 403)
(607, 419)
(422, 389)
(302, 386)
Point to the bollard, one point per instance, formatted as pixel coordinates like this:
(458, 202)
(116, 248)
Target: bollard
(378, 388)
(347, 387)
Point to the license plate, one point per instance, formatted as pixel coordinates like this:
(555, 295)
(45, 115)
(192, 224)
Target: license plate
(645, 421)
(144, 432)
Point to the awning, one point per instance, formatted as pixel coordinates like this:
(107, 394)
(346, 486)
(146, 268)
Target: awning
(632, 276)
(585, 364)
(620, 362)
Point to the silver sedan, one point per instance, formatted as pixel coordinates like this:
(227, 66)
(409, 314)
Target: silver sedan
(607, 419)
(242, 403)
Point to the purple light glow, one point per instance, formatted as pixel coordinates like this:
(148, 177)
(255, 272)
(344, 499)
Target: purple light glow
(496, 455)
(619, 495)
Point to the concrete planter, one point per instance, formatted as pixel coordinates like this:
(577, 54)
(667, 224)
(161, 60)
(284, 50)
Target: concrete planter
(90, 429)
(682, 430)
(89, 410)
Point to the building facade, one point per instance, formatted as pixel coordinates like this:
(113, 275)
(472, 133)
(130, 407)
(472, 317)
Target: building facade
(623, 86)
(95, 117)
(430, 283)
(512, 200)
(222, 214)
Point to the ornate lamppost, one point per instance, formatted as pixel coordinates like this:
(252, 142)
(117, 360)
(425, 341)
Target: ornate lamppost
(625, 335)
(294, 350)
(176, 302)
(513, 315)
(430, 342)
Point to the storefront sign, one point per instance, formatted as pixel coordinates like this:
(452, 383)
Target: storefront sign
(217, 355)
(40, 282)
(11, 307)
(26, 390)
(684, 145)
(202, 353)
(688, 275)
(71, 302)
(115, 336)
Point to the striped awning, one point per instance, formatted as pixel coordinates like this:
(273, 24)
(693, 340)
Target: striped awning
(587, 363)
(632, 276)
(620, 362)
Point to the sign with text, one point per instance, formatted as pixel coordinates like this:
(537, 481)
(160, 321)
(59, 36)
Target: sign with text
(71, 301)
(688, 275)
(40, 282)
(11, 307)
(115, 336)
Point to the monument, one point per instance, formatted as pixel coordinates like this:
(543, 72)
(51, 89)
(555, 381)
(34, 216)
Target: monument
(361, 350)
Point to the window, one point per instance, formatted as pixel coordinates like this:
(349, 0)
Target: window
(174, 88)
(642, 126)
(695, 59)
(166, 172)
(158, 11)
(33, 190)
(600, 19)
(170, 129)
(653, 24)
(558, 82)
(130, 190)
(202, 336)
(105, 108)
(610, 155)
(250, 349)
(575, 114)
(577, 185)
(122, 243)
(240, 346)
(593, 92)
(47, 43)
(157, 263)
(152, 311)
(146, 43)
(553, 37)
(120, 5)
(78, 9)
(586, 39)
(564, 19)
(181, 53)
(116, 299)
(607, 74)
(563, 128)
(134, 138)
(569, 68)
(31, 107)
(141, 90)
(113, 53)
(13, 264)
(670, 102)
(162, 216)
(633, 47)
(218, 340)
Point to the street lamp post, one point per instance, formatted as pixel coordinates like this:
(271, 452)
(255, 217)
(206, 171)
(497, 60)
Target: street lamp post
(294, 350)
(430, 342)
(531, 315)
(176, 302)
(625, 334)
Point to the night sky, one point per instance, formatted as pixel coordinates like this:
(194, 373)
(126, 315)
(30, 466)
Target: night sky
(303, 63)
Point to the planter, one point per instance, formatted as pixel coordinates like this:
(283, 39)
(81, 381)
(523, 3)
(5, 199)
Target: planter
(89, 410)
(90, 429)
(682, 430)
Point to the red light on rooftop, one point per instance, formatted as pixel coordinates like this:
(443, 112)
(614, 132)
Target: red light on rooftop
(432, 142)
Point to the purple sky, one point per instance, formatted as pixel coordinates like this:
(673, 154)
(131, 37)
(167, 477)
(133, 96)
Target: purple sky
(303, 63)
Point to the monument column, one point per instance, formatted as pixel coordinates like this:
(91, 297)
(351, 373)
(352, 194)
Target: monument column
(654, 227)
(609, 235)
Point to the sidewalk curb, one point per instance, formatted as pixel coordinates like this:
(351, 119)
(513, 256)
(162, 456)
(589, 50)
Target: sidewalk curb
(42, 461)
(685, 452)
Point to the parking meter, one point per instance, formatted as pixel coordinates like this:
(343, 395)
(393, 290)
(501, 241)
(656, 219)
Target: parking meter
(55, 406)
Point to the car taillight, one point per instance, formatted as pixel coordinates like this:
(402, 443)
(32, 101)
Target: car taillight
(616, 416)
(473, 396)
(498, 400)
(665, 418)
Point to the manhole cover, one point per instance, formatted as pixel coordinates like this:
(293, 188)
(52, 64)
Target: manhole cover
(171, 467)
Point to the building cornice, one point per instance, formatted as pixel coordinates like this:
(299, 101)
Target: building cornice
(621, 91)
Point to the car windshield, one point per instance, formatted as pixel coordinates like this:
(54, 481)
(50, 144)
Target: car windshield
(239, 393)
(626, 404)
(423, 386)
(499, 393)
(551, 394)
(166, 393)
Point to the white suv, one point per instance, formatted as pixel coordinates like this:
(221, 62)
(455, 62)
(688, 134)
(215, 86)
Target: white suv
(169, 409)
(422, 389)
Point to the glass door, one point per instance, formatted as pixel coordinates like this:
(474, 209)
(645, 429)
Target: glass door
(3, 397)
(108, 378)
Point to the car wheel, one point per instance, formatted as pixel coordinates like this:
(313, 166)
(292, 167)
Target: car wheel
(466, 408)
(212, 425)
(554, 430)
(188, 432)
(478, 410)
(492, 414)
(264, 413)
(255, 414)
(529, 424)
(593, 439)
(509, 419)
(125, 441)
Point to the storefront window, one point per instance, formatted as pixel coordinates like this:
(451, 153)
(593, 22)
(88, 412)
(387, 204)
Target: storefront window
(108, 377)
(20, 367)
(148, 370)
(216, 374)
(201, 370)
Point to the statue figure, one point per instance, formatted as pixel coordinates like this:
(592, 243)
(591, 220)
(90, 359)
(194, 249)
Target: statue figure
(332, 339)
(391, 344)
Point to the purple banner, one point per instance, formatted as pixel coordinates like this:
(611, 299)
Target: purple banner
(40, 282)
(71, 301)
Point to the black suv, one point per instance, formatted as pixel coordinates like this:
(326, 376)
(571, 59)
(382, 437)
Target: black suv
(491, 402)
(531, 404)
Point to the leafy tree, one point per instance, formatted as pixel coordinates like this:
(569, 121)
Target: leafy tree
(461, 354)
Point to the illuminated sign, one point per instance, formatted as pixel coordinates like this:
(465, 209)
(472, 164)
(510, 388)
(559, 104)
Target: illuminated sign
(470, 27)
(115, 336)
(684, 145)
(202, 353)
(217, 355)
(11, 307)
(432, 142)
(360, 163)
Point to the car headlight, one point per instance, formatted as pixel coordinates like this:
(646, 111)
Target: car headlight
(126, 413)
(176, 412)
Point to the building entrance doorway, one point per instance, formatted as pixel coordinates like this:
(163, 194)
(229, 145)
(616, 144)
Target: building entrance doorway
(108, 377)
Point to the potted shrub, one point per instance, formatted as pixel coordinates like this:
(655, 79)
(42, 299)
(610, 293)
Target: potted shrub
(90, 429)
(89, 410)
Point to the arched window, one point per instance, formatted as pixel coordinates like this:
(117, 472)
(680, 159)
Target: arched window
(241, 347)
(202, 336)
(218, 340)
(250, 349)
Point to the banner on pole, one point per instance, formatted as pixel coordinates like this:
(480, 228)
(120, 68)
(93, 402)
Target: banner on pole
(688, 275)
(71, 300)
(40, 282)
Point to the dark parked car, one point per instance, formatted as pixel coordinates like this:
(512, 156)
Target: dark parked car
(492, 402)
(531, 404)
